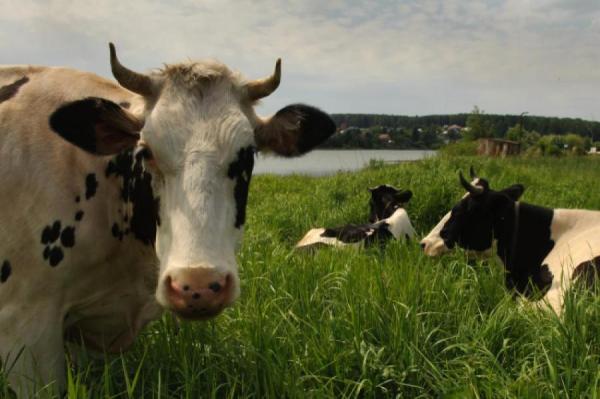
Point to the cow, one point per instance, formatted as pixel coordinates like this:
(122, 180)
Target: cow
(387, 219)
(120, 201)
(543, 250)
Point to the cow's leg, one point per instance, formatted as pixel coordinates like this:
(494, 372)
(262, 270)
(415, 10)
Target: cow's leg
(34, 358)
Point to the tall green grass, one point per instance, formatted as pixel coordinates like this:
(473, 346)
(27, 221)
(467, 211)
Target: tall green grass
(371, 323)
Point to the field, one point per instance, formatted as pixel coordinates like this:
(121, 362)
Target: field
(393, 323)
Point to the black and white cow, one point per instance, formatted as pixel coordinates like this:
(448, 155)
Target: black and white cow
(121, 200)
(543, 250)
(387, 219)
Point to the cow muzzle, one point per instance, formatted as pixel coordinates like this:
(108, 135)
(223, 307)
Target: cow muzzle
(197, 293)
(433, 247)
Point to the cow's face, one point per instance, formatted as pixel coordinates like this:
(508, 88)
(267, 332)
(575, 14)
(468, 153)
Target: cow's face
(470, 223)
(197, 138)
(385, 200)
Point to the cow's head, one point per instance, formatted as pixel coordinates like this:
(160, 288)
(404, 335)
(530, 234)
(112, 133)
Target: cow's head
(470, 222)
(385, 200)
(197, 136)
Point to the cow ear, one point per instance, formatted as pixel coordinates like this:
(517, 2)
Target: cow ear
(514, 192)
(97, 125)
(403, 196)
(294, 130)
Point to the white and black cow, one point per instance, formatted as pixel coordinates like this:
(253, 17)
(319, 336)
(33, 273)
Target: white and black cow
(543, 250)
(120, 200)
(387, 219)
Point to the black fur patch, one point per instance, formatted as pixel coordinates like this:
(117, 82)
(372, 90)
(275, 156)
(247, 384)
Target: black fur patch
(136, 188)
(5, 271)
(56, 255)
(91, 184)
(587, 273)
(241, 171)
(79, 216)
(353, 233)
(77, 199)
(295, 130)
(525, 271)
(51, 233)
(9, 91)
(67, 237)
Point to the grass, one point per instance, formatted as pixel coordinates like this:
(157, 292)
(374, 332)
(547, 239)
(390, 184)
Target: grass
(394, 323)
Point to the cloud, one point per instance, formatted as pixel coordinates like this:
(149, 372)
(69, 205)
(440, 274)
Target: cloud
(410, 57)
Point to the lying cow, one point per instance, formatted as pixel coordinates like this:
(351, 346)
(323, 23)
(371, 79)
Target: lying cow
(119, 201)
(387, 219)
(542, 249)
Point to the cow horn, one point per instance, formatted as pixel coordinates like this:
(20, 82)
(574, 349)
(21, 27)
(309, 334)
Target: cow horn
(472, 172)
(474, 190)
(136, 82)
(260, 88)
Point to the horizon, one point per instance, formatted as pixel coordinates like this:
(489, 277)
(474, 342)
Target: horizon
(409, 58)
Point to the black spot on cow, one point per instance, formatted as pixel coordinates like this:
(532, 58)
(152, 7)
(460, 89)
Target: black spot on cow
(587, 272)
(91, 184)
(67, 237)
(136, 189)
(51, 233)
(5, 271)
(46, 252)
(371, 233)
(9, 91)
(56, 256)
(77, 199)
(79, 216)
(241, 171)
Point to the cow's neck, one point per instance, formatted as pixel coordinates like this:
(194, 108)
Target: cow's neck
(524, 240)
(139, 210)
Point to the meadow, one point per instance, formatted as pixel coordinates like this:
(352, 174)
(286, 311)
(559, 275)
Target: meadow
(371, 323)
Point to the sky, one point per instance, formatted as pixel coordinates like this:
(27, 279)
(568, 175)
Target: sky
(418, 57)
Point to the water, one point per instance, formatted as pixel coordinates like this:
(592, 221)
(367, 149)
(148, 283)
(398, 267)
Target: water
(323, 162)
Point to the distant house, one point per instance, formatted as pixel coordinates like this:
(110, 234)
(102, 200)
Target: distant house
(498, 147)
(385, 138)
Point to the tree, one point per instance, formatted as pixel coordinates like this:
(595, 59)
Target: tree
(478, 125)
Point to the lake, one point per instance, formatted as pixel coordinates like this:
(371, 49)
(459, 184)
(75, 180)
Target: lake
(323, 162)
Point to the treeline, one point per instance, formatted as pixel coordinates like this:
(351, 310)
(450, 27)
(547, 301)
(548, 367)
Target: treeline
(498, 124)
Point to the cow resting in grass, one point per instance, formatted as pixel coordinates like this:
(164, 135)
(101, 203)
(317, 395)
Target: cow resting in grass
(543, 250)
(387, 219)
(120, 200)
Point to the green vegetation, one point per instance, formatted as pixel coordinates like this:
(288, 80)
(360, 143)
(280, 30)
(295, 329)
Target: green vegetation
(434, 131)
(347, 323)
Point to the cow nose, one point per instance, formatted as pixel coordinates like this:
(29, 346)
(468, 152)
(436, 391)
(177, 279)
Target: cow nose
(423, 246)
(198, 293)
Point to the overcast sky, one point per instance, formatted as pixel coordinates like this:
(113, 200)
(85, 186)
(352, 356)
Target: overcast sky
(397, 57)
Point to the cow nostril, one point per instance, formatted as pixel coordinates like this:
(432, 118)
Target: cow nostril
(423, 245)
(196, 295)
(186, 287)
(215, 287)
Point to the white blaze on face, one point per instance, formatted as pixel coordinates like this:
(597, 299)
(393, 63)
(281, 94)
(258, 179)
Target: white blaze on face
(194, 144)
(433, 244)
